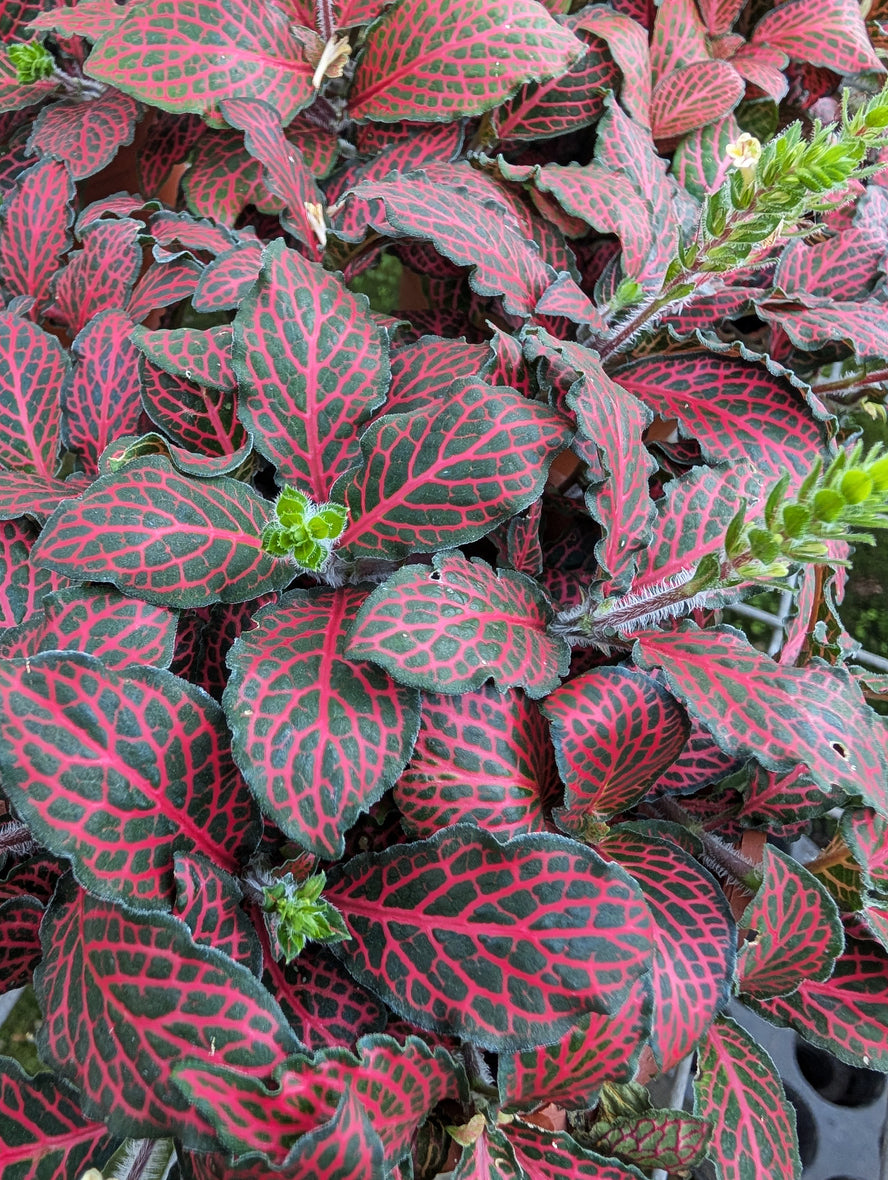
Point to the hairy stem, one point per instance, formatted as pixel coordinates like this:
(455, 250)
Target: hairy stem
(731, 862)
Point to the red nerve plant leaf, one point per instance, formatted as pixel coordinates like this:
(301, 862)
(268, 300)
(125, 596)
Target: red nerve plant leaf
(33, 367)
(781, 716)
(482, 757)
(396, 1085)
(449, 474)
(187, 55)
(796, 929)
(319, 737)
(172, 540)
(117, 770)
(694, 938)
(615, 731)
(437, 62)
(738, 1090)
(311, 365)
(504, 944)
(115, 1022)
(43, 1135)
(450, 627)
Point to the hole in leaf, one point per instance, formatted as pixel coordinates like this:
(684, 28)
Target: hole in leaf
(806, 1127)
(840, 749)
(841, 1084)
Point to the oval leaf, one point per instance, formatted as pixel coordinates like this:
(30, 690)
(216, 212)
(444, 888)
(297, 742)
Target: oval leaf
(738, 1090)
(173, 540)
(453, 934)
(319, 737)
(451, 627)
(115, 1023)
(441, 61)
(117, 770)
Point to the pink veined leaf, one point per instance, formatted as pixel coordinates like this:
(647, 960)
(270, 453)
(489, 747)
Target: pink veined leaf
(424, 373)
(20, 954)
(100, 276)
(700, 764)
(547, 1156)
(487, 190)
(797, 932)
(321, 1000)
(36, 496)
(319, 737)
(163, 284)
(737, 411)
(504, 262)
(678, 38)
(173, 540)
(482, 757)
(174, 233)
(194, 416)
(188, 1001)
(85, 135)
(627, 42)
(848, 265)
(626, 147)
(662, 1138)
(455, 58)
(614, 732)
(200, 356)
(101, 397)
(227, 280)
(88, 18)
(782, 804)
(416, 147)
(691, 521)
(169, 139)
(763, 67)
(828, 33)
(694, 939)
(396, 1085)
(208, 902)
(121, 857)
(22, 582)
(781, 716)
(604, 199)
(118, 630)
(188, 55)
(693, 96)
(700, 162)
(568, 102)
(33, 369)
(566, 298)
(452, 627)
(447, 475)
(613, 421)
(570, 1072)
(36, 222)
(223, 178)
(114, 207)
(43, 1134)
(738, 1090)
(458, 907)
(863, 325)
(719, 15)
(842, 1014)
(285, 173)
(311, 365)
(864, 831)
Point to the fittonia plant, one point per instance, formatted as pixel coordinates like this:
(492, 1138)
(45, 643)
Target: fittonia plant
(383, 792)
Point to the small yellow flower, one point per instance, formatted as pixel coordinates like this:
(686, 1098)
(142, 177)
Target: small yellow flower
(744, 153)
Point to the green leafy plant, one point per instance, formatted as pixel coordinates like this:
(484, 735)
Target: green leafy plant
(381, 793)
